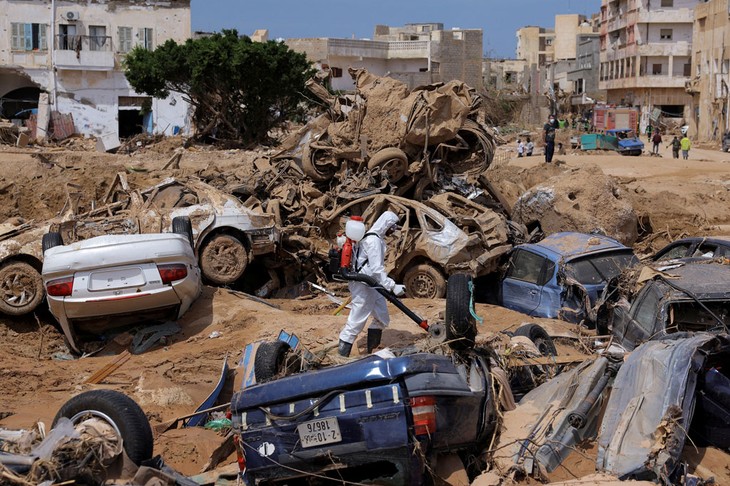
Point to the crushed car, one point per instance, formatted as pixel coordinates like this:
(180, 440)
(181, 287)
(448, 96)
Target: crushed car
(695, 247)
(446, 235)
(108, 281)
(683, 298)
(227, 235)
(563, 275)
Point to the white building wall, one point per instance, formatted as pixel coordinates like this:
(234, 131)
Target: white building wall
(90, 92)
(680, 32)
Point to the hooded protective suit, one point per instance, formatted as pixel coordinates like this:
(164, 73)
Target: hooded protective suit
(370, 260)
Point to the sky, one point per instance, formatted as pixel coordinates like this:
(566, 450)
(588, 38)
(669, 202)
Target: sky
(498, 19)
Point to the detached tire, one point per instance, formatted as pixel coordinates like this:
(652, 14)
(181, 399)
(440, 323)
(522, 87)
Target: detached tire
(181, 225)
(461, 327)
(51, 240)
(539, 336)
(392, 160)
(423, 281)
(270, 360)
(117, 410)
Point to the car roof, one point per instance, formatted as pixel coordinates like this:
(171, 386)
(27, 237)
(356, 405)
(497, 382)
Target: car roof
(722, 239)
(705, 280)
(571, 244)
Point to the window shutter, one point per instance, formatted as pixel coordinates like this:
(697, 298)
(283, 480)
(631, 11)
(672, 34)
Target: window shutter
(28, 34)
(43, 40)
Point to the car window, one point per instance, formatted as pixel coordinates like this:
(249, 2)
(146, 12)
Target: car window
(526, 266)
(706, 250)
(595, 269)
(431, 223)
(678, 251)
(723, 251)
(645, 311)
(692, 317)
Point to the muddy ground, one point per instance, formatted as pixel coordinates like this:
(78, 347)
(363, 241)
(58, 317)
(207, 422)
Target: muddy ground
(673, 198)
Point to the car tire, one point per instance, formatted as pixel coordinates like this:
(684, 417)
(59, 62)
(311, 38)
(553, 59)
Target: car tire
(539, 336)
(181, 225)
(424, 281)
(270, 360)
(120, 412)
(50, 240)
(461, 329)
(315, 172)
(391, 159)
(21, 288)
(223, 259)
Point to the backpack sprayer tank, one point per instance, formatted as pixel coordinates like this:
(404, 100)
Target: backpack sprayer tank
(341, 257)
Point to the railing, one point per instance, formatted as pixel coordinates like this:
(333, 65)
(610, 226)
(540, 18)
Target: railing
(65, 42)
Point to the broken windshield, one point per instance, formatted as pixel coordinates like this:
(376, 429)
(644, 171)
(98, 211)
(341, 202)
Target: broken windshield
(690, 316)
(595, 269)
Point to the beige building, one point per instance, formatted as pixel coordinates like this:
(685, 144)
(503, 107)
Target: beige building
(505, 74)
(535, 45)
(416, 54)
(646, 55)
(710, 83)
(66, 56)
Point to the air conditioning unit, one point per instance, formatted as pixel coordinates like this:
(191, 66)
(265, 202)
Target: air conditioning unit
(72, 16)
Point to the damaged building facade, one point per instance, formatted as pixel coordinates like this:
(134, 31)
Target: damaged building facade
(646, 55)
(416, 54)
(710, 83)
(66, 57)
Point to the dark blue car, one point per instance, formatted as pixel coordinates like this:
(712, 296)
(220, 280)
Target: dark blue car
(563, 275)
(375, 419)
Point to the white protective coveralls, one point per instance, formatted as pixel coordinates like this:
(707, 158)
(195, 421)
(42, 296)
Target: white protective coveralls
(370, 260)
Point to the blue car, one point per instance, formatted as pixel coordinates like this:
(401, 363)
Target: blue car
(563, 275)
(626, 141)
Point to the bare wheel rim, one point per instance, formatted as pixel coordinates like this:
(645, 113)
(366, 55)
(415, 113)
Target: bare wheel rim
(423, 286)
(85, 414)
(394, 168)
(18, 289)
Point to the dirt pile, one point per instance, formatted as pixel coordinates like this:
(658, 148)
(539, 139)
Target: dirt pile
(581, 199)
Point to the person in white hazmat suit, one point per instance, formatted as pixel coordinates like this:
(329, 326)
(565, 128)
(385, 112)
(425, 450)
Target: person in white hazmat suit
(369, 259)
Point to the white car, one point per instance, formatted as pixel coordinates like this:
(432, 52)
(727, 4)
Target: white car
(112, 280)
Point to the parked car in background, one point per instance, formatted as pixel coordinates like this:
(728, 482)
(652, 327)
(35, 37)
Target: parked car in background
(227, 235)
(447, 234)
(690, 297)
(108, 281)
(695, 247)
(563, 275)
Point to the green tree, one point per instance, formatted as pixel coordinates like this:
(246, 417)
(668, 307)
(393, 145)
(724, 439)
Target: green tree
(240, 89)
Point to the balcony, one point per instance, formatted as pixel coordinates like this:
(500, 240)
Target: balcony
(665, 49)
(652, 81)
(378, 49)
(678, 16)
(84, 52)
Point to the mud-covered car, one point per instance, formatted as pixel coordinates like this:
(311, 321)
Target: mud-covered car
(227, 235)
(695, 247)
(563, 275)
(431, 245)
(111, 280)
(691, 297)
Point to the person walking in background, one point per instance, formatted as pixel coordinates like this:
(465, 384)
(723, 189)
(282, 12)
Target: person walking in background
(656, 139)
(549, 138)
(676, 145)
(649, 129)
(529, 147)
(520, 148)
(685, 145)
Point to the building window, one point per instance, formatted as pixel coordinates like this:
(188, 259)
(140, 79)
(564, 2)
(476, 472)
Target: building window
(336, 72)
(28, 37)
(656, 69)
(98, 40)
(145, 38)
(548, 41)
(667, 3)
(124, 43)
(665, 34)
(687, 71)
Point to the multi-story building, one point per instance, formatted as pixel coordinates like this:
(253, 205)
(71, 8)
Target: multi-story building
(584, 75)
(505, 74)
(416, 54)
(535, 45)
(66, 56)
(710, 83)
(646, 55)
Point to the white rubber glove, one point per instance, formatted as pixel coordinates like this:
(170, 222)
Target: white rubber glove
(399, 290)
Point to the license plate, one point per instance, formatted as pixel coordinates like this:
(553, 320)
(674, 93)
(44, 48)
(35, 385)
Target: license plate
(116, 279)
(319, 432)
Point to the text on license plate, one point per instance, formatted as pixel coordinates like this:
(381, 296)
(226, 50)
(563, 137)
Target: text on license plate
(116, 279)
(319, 432)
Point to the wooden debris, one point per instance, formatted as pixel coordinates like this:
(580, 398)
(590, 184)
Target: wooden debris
(109, 368)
